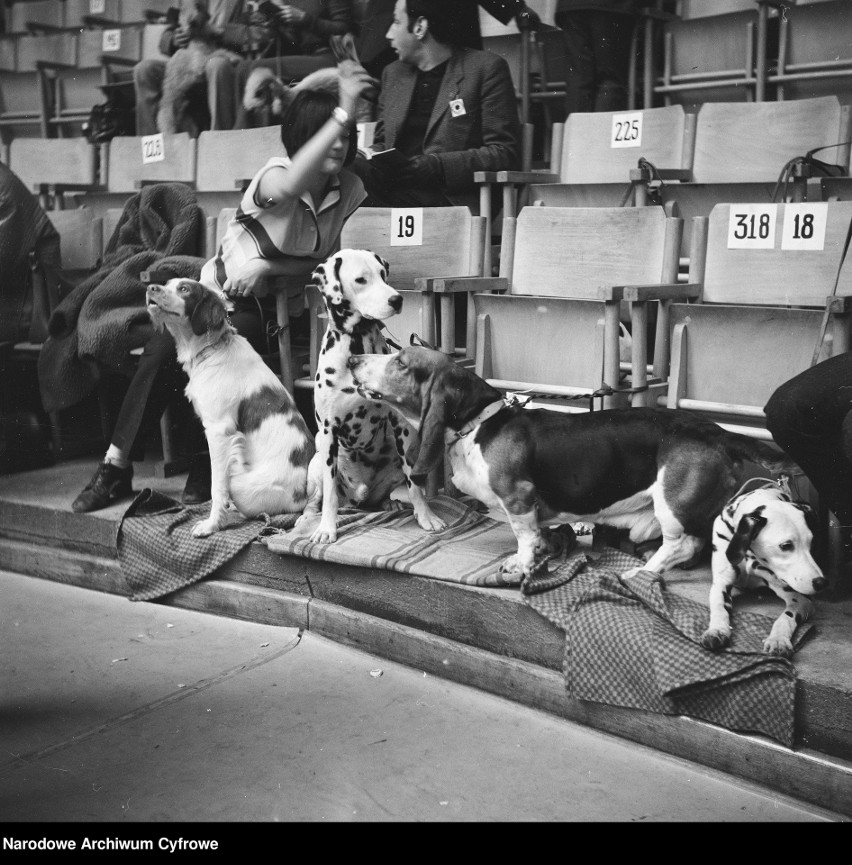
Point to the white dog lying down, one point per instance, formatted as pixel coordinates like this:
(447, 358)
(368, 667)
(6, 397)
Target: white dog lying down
(260, 446)
(762, 538)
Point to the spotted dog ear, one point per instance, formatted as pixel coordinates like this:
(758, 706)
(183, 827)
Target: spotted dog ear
(209, 314)
(385, 264)
(811, 518)
(747, 530)
(327, 278)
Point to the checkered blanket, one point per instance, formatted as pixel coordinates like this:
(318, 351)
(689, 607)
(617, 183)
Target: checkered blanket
(632, 643)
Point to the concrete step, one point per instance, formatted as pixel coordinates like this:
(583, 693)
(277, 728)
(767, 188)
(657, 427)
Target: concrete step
(483, 637)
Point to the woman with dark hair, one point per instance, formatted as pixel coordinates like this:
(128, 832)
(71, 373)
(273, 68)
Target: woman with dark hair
(289, 220)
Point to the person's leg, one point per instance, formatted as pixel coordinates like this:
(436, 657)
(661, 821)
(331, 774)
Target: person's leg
(158, 378)
(579, 59)
(148, 83)
(610, 39)
(222, 80)
(381, 191)
(808, 417)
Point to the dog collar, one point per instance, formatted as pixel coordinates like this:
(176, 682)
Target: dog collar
(489, 411)
(208, 349)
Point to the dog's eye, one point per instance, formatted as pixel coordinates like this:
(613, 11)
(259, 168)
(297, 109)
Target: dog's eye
(183, 289)
(361, 280)
(787, 547)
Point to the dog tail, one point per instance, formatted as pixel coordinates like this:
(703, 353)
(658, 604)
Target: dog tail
(263, 88)
(745, 448)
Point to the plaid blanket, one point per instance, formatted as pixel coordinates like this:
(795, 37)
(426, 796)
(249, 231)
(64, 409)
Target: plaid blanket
(470, 550)
(632, 643)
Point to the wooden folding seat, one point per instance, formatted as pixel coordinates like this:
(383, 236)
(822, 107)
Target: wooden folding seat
(50, 167)
(22, 102)
(713, 57)
(776, 278)
(575, 274)
(815, 51)
(131, 161)
(596, 161)
(742, 150)
(71, 90)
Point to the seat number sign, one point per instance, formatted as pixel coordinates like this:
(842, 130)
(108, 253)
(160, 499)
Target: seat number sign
(406, 226)
(111, 40)
(97, 7)
(753, 226)
(153, 148)
(627, 130)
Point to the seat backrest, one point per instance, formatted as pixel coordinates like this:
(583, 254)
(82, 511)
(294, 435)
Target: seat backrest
(57, 47)
(602, 147)
(752, 142)
(572, 251)
(229, 156)
(116, 42)
(76, 11)
(448, 246)
(778, 254)
(70, 161)
(126, 168)
(50, 12)
(81, 239)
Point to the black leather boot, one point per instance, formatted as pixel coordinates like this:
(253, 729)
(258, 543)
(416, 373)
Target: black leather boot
(108, 484)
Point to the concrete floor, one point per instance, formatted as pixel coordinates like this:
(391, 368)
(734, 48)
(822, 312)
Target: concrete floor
(119, 712)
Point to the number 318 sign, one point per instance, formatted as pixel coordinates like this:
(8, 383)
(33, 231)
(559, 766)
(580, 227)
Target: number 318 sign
(753, 226)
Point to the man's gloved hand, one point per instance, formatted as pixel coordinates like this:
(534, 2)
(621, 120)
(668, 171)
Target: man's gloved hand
(527, 19)
(421, 171)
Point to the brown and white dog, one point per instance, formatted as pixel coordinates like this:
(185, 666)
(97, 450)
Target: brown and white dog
(361, 444)
(653, 471)
(260, 446)
(763, 538)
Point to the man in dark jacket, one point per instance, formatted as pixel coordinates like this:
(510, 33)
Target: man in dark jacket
(447, 110)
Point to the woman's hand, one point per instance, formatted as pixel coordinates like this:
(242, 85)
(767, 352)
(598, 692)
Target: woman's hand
(355, 82)
(291, 16)
(246, 282)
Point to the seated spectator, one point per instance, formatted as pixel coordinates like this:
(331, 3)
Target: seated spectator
(230, 22)
(300, 34)
(810, 417)
(298, 206)
(447, 110)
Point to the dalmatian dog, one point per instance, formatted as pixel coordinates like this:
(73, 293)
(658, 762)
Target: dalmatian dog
(363, 447)
(762, 539)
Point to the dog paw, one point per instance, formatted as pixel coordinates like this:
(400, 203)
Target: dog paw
(513, 568)
(779, 646)
(205, 528)
(429, 522)
(715, 640)
(324, 535)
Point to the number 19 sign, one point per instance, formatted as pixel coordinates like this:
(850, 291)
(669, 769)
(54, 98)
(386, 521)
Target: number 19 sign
(406, 226)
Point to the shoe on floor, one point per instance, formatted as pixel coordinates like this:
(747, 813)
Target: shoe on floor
(108, 484)
(197, 489)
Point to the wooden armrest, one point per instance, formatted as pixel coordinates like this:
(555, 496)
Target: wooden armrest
(53, 64)
(454, 284)
(36, 27)
(98, 22)
(838, 304)
(515, 177)
(113, 60)
(655, 291)
(684, 175)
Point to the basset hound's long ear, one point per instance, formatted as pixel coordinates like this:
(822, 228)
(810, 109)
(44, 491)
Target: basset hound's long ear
(747, 530)
(443, 392)
(209, 314)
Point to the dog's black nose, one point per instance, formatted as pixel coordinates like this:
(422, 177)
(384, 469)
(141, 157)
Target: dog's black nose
(396, 302)
(353, 361)
(819, 584)
(153, 287)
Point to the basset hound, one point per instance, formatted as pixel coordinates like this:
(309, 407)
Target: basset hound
(260, 445)
(652, 471)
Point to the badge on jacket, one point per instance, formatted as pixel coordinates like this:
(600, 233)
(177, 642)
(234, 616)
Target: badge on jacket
(457, 108)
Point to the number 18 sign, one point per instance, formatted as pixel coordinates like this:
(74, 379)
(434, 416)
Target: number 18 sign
(804, 225)
(406, 226)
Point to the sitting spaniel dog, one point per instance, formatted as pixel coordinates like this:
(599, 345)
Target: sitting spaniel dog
(260, 446)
